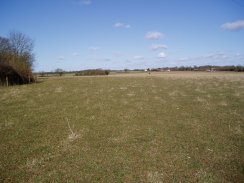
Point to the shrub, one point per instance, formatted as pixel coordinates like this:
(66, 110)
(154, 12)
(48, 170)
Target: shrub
(9, 76)
(92, 72)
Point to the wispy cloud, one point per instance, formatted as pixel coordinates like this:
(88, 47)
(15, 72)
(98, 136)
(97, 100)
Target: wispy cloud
(118, 54)
(93, 48)
(211, 59)
(154, 35)
(121, 25)
(162, 55)
(61, 58)
(75, 54)
(107, 59)
(233, 26)
(157, 47)
(215, 56)
(85, 2)
(139, 57)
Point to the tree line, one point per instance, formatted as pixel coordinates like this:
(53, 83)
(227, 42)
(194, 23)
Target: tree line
(210, 68)
(16, 59)
(91, 72)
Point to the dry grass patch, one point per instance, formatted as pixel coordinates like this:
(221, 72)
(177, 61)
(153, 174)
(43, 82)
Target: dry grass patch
(59, 89)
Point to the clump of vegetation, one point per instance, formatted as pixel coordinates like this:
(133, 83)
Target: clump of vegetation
(9, 76)
(59, 71)
(92, 72)
(16, 59)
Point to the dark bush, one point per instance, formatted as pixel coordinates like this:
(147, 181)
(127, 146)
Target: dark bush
(92, 72)
(9, 76)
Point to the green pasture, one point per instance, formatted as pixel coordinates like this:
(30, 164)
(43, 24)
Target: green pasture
(163, 127)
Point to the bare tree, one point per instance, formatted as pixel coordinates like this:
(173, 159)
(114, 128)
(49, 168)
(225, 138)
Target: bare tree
(4, 45)
(16, 51)
(59, 71)
(5, 50)
(22, 46)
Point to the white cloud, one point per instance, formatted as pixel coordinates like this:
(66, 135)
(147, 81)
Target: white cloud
(75, 54)
(154, 35)
(162, 55)
(184, 58)
(234, 26)
(157, 47)
(237, 54)
(94, 48)
(86, 2)
(121, 25)
(138, 57)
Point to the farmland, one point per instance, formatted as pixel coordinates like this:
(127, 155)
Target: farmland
(163, 127)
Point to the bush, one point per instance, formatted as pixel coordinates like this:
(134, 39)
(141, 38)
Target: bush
(9, 76)
(92, 72)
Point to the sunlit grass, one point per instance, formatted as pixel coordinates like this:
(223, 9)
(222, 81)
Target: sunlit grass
(182, 127)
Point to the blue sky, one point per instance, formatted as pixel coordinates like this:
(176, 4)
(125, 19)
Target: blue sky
(119, 34)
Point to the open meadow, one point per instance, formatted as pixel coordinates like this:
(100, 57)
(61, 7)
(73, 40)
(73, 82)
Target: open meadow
(163, 127)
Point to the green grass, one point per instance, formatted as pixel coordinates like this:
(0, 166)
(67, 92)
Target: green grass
(170, 127)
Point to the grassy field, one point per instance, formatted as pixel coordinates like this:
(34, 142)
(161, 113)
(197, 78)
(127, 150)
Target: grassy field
(163, 127)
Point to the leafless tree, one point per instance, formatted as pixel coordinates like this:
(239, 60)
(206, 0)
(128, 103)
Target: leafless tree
(59, 71)
(22, 46)
(16, 51)
(5, 50)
